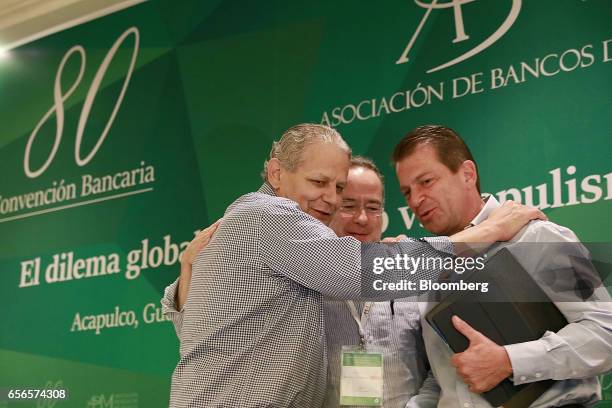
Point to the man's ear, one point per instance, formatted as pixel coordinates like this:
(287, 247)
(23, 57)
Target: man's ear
(468, 172)
(274, 173)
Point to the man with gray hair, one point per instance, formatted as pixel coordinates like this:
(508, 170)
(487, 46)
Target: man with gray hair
(390, 328)
(252, 331)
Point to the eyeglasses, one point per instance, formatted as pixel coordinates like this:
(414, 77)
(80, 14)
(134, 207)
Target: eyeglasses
(352, 208)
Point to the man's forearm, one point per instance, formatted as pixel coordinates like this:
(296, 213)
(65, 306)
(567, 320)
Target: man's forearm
(183, 286)
(169, 307)
(473, 240)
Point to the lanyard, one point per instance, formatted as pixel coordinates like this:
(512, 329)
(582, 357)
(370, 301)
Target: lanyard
(357, 318)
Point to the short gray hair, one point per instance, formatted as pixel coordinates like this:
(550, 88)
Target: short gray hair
(288, 150)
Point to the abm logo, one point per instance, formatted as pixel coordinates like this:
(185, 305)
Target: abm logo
(460, 32)
(100, 401)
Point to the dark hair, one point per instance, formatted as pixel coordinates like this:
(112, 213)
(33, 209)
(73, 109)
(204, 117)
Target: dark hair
(361, 161)
(450, 148)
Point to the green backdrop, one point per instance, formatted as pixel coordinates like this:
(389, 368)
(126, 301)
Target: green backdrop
(122, 136)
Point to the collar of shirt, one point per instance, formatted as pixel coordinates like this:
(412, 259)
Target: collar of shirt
(266, 188)
(490, 204)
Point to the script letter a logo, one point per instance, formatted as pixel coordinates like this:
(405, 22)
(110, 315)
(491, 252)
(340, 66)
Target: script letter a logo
(460, 34)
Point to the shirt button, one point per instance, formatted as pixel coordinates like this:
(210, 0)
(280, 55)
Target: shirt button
(538, 375)
(523, 378)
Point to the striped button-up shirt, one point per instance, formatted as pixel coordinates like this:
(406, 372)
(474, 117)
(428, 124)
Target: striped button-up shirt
(252, 331)
(397, 335)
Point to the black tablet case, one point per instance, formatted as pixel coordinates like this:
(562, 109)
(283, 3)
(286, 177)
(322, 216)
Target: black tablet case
(514, 310)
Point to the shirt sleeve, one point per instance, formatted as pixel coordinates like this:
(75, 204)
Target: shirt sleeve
(169, 307)
(581, 349)
(428, 394)
(298, 246)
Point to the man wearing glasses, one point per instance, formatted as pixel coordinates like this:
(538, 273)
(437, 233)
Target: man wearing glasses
(391, 328)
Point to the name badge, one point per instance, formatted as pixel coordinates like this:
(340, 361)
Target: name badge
(361, 378)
